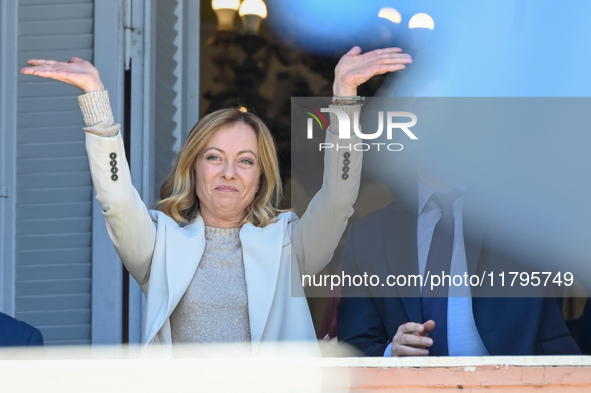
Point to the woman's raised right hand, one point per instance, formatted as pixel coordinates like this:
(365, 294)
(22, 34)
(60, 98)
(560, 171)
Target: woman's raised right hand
(76, 72)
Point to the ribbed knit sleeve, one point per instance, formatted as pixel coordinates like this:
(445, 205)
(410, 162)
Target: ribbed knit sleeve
(97, 113)
(334, 120)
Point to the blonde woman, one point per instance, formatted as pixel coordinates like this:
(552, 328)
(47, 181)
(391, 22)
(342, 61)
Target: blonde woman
(215, 262)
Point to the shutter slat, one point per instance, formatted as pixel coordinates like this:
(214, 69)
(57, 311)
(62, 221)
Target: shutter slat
(52, 242)
(61, 12)
(47, 150)
(54, 43)
(55, 118)
(66, 104)
(166, 15)
(47, 90)
(42, 227)
(51, 134)
(55, 210)
(45, 53)
(57, 272)
(55, 180)
(53, 302)
(71, 27)
(56, 195)
(47, 165)
(53, 287)
(67, 343)
(65, 333)
(62, 256)
(52, 318)
(44, 2)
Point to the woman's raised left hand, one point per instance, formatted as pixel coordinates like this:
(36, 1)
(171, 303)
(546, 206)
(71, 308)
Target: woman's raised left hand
(355, 68)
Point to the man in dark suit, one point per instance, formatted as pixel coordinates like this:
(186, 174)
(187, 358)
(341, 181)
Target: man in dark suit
(15, 333)
(581, 329)
(392, 321)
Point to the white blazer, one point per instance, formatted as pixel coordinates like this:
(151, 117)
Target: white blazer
(163, 256)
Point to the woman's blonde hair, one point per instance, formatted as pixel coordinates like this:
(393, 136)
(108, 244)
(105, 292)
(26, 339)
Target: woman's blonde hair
(178, 198)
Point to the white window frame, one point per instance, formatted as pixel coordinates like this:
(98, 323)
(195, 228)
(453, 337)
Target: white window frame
(140, 44)
(8, 112)
(107, 273)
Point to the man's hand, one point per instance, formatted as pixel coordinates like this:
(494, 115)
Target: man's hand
(411, 339)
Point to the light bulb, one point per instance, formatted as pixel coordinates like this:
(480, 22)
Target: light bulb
(422, 21)
(253, 7)
(225, 4)
(225, 11)
(391, 14)
(252, 13)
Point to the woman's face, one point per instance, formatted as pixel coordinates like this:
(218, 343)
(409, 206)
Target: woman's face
(228, 173)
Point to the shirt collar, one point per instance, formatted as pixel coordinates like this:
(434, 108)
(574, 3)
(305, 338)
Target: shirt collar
(425, 193)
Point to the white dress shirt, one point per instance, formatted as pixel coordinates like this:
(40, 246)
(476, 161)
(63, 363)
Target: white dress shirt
(463, 338)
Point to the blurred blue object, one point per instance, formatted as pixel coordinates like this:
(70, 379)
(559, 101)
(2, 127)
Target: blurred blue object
(487, 48)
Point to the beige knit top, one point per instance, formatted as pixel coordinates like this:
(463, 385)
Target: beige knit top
(214, 308)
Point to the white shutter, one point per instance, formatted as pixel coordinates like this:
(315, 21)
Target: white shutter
(167, 87)
(54, 192)
(162, 47)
